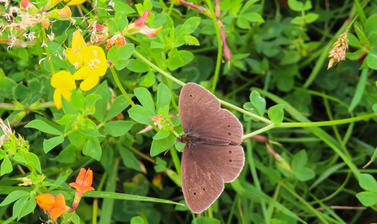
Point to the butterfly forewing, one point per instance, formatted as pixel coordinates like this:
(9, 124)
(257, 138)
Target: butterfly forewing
(196, 105)
(201, 116)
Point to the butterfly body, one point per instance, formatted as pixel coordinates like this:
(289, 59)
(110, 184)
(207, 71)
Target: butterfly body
(212, 155)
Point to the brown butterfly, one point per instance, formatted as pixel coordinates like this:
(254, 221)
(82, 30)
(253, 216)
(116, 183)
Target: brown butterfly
(212, 155)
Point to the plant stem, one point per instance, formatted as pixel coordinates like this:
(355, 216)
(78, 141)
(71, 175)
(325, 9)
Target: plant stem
(360, 11)
(119, 84)
(265, 120)
(219, 46)
(162, 72)
(254, 174)
(261, 130)
(325, 123)
(176, 160)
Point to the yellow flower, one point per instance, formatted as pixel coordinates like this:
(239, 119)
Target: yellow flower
(75, 2)
(75, 54)
(63, 82)
(90, 60)
(94, 65)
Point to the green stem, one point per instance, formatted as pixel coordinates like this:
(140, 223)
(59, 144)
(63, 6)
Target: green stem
(162, 72)
(325, 123)
(303, 201)
(176, 160)
(95, 203)
(254, 175)
(119, 84)
(261, 130)
(265, 120)
(219, 46)
(360, 11)
(271, 207)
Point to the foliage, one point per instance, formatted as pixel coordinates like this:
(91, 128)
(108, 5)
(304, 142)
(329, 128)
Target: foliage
(90, 89)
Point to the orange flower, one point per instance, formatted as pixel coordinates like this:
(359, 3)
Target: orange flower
(82, 184)
(55, 206)
(83, 181)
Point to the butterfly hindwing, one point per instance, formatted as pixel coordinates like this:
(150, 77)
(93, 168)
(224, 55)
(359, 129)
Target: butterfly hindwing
(200, 186)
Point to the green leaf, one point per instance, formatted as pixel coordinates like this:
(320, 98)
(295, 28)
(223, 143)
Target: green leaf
(179, 58)
(304, 174)
(299, 160)
(51, 143)
(161, 165)
(367, 182)
(137, 65)
(299, 6)
(122, 8)
(310, 17)
(276, 113)
(367, 198)
(137, 220)
(360, 34)
(119, 56)
(161, 145)
(353, 41)
(189, 26)
(120, 103)
(92, 99)
(6, 167)
(78, 100)
(6, 87)
(372, 58)
(359, 90)
(101, 105)
(19, 206)
(191, 40)
(174, 177)
(140, 114)
(33, 161)
(67, 155)
(161, 134)
(253, 17)
(93, 149)
(145, 98)
(290, 57)
(27, 208)
(43, 127)
(14, 196)
(148, 80)
(258, 102)
(118, 128)
(129, 159)
(163, 99)
(207, 220)
(371, 24)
